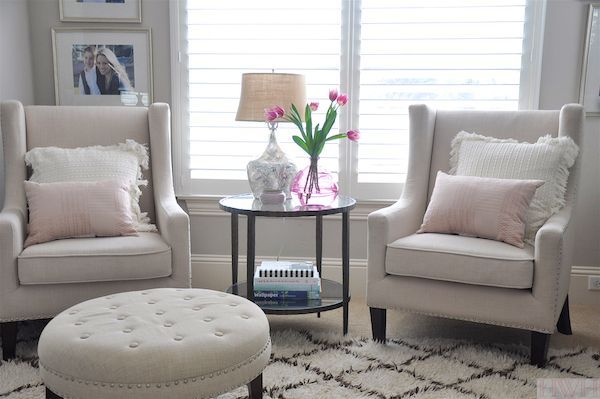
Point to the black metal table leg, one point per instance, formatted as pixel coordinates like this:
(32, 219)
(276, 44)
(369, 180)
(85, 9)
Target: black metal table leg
(250, 248)
(319, 246)
(234, 248)
(345, 266)
(319, 242)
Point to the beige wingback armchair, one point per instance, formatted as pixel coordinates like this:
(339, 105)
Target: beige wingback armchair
(465, 277)
(44, 279)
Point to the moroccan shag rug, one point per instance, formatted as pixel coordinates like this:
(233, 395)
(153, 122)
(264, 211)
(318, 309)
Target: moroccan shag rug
(310, 365)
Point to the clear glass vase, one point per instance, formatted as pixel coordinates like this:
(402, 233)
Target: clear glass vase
(314, 185)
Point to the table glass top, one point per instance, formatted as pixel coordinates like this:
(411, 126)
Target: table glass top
(247, 204)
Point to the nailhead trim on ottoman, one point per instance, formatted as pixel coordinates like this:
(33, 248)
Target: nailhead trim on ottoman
(160, 343)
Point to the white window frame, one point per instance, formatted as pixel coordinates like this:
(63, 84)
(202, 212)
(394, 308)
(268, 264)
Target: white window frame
(349, 82)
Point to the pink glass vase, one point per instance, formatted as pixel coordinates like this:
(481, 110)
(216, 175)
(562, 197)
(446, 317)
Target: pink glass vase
(314, 186)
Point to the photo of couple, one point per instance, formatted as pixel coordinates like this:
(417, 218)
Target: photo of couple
(102, 70)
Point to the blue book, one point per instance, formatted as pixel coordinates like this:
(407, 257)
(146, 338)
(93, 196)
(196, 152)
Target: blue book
(286, 287)
(286, 295)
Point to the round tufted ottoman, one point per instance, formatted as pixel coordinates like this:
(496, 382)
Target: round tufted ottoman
(159, 343)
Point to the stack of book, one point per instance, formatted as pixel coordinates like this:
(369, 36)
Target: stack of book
(276, 281)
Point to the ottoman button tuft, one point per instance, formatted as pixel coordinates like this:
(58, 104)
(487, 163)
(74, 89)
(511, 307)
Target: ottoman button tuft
(133, 345)
(219, 333)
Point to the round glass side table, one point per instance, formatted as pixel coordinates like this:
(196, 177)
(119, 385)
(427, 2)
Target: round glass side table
(333, 294)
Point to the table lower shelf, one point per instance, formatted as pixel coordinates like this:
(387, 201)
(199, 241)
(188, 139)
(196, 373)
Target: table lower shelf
(331, 298)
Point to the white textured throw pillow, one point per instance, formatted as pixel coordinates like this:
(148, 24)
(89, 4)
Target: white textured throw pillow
(123, 161)
(549, 159)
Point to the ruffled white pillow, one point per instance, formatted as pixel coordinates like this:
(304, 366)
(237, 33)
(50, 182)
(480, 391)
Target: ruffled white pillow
(549, 159)
(123, 162)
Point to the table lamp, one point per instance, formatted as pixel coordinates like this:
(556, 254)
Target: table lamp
(270, 176)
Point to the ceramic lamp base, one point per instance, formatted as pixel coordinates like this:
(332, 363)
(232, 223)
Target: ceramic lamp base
(273, 171)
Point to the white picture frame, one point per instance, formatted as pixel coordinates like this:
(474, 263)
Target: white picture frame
(100, 10)
(132, 76)
(589, 92)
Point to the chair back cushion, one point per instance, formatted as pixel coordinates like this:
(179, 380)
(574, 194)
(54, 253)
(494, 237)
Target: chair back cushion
(73, 126)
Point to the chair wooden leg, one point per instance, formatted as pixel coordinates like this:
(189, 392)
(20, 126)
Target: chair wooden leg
(9, 339)
(378, 324)
(51, 395)
(255, 388)
(539, 348)
(564, 320)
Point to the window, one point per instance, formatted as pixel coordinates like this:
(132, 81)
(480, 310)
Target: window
(386, 54)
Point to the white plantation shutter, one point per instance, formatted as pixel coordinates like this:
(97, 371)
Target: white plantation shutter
(447, 54)
(226, 39)
(387, 54)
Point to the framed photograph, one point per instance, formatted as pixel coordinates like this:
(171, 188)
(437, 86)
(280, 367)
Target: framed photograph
(589, 92)
(101, 10)
(102, 66)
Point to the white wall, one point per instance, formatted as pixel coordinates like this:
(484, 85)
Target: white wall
(561, 72)
(16, 82)
(44, 15)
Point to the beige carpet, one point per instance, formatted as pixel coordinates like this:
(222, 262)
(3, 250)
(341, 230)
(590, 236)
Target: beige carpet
(585, 321)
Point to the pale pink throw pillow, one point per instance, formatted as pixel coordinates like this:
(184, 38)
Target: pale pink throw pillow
(78, 209)
(480, 207)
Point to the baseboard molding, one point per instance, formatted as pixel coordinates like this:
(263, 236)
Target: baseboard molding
(578, 292)
(214, 272)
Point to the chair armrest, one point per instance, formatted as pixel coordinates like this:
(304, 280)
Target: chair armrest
(13, 228)
(174, 226)
(553, 256)
(385, 226)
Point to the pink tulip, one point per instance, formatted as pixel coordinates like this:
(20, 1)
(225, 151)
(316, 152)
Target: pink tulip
(333, 94)
(353, 135)
(314, 106)
(342, 99)
(280, 111)
(270, 114)
(273, 113)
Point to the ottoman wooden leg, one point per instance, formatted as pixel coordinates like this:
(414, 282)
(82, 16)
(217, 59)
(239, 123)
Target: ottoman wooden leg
(255, 388)
(9, 339)
(51, 395)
